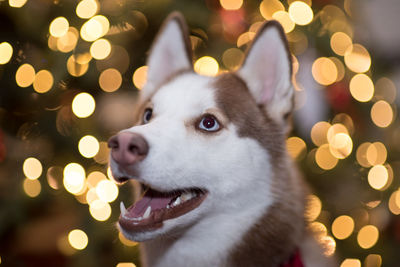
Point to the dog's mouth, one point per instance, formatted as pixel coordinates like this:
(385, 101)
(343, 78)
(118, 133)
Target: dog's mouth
(154, 207)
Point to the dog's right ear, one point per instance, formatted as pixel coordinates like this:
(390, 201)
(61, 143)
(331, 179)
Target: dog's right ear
(170, 53)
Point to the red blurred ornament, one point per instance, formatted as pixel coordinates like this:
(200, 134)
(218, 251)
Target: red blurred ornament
(233, 23)
(339, 96)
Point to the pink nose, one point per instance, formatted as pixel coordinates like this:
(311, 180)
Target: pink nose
(128, 148)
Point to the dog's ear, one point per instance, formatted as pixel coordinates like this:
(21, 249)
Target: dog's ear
(267, 71)
(170, 53)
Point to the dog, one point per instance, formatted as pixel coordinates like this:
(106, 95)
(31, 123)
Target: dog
(214, 182)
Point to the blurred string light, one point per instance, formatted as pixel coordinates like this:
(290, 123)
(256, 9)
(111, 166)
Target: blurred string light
(232, 58)
(351, 263)
(110, 80)
(340, 42)
(74, 178)
(296, 147)
(88, 146)
(25, 75)
(100, 49)
(100, 210)
(68, 41)
(357, 58)
(32, 187)
(361, 87)
(95, 28)
(207, 66)
(139, 77)
(367, 236)
(126, 264)
(342, 227)
(78, 64)
(285, 20)
(324, 71)
(6, 52)
(43, 81)
(300, 13)
(231, 4)
(78, 239)
(83, 105)
(32, 168)
(59, 27)
(313, 208)
(382, 114)
(269, 7)
(373, 260)
(126, 241)
(87, 9)
(17, 3)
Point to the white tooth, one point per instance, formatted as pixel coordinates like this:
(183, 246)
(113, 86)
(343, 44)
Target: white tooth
(122, 208)
(184, 197)
(168, 206)
(177, 202)
(147, 212)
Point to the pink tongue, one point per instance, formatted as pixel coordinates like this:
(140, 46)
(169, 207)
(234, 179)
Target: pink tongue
(151, 198)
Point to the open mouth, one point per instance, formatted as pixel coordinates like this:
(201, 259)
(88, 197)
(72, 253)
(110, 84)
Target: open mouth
(154, 207)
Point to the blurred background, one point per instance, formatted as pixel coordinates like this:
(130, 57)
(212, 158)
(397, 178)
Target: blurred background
(69, 75)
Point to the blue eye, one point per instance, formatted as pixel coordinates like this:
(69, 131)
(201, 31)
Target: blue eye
(209, 123)
(147, 115)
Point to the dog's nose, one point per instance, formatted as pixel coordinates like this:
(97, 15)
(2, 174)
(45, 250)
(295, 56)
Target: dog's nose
(128, 148)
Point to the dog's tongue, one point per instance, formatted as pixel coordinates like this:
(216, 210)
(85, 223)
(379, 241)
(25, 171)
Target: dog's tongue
(156, 200)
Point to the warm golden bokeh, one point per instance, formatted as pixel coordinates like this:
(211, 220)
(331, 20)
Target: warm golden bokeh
(87, 8)
(32, 168)
(342, 227)
(351, 263)
(367, 236)
(285, 20)
(340, 42)
(139, 77)
(269, 7)
(110, 80)
(361, 87)
(296, 147)
(313, 208)
(382, 114)
(95, 28)
(32, 187)
(78, 239)
(319, 133)
(300, 13)
(100, 210)
(74, 178)
(324, 71)
(373, 260)
(59, 27)
(76, 66)
(6, 52)
(83, 105)
(378, 177)
(100, 49)
(43, 81)
(324, 158)
(357, 58)
(207, 66)
(25, 75)
(88, 146)
(231, 4)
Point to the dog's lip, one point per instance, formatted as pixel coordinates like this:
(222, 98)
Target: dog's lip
(134, 218)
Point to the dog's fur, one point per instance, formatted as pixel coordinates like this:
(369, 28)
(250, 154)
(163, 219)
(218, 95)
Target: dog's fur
(253, 214)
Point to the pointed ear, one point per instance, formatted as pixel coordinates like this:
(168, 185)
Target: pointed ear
(267, 71)
(170, 53)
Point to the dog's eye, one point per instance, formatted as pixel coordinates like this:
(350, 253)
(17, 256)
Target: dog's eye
(209, 123)
(147, 115)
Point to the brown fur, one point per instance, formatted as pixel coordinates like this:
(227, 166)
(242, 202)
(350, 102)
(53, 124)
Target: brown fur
(275, 237)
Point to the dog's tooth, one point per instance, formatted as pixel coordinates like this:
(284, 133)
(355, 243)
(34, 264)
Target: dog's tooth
(122, 208)
(147, 212)
(177, 202)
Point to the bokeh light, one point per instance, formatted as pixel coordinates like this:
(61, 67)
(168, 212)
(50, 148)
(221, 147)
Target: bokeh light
(319, 133)
(139, 77)
(296, 147)
(382, 114)
(125, 241)
(100, 49)
(285, 20)
(351, 263)
(59, 27)
(43, 81)
(385, 89)
(78, 239)
(313, 207)
(324, 158)
(368, 236)
(324, 71)
(340, 42)
(86, 9)
(74, 178)
(126, 264)
(361, 87)
(394, 202)
(357, 58)
(88, 146)
(232, 58)
(32, 187)
(32, 168)
(68, 41)
(107, 190)
(110, 80)
(378, 177)
(342, 227)
(17, 3)
(373, 260)
(207, 66)
(341, 145)
(78, 65)
(100, 210)
(300, 13)
(6, 52)
(25, 75)
(95, 28)
(231, 4)
(376, 153)
(83, 105)
(269, 7)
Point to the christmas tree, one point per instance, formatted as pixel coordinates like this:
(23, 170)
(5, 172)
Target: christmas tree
(70, 72)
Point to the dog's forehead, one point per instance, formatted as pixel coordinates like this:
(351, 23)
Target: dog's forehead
(188, 94)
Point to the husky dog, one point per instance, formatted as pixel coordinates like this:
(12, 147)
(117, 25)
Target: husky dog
(216, 184)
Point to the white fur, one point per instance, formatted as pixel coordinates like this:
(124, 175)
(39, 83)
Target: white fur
(233, 169)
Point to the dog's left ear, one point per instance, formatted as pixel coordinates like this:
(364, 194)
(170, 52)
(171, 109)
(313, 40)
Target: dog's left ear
(267, 71)
(170, 53)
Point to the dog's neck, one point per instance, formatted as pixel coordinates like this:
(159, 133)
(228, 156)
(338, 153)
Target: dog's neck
(261, 242)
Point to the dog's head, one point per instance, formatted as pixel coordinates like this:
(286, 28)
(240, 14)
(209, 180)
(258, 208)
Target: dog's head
(204, 146)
